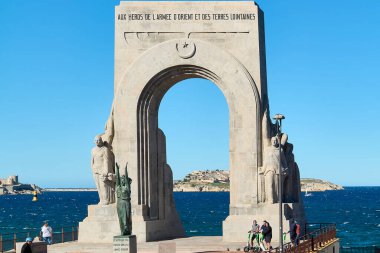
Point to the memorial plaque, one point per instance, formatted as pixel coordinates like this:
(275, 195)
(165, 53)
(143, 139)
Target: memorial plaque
(125, 244)
(39, 247)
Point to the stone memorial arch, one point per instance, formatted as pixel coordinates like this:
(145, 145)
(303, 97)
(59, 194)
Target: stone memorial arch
(158, 44)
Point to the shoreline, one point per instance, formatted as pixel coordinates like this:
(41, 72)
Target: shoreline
(69, 190)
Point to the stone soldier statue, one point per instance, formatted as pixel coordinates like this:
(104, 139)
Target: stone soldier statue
(103, 171)
(123, 203)
(270, 171)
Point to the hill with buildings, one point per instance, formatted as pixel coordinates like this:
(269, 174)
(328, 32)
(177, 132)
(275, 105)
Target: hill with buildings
(219, 180)
(209, 180)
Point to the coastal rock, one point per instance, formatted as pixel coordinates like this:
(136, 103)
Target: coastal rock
(11, 185)
(318, 185)
(218, 181)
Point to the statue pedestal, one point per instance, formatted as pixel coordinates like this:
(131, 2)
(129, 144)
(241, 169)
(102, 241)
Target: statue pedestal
(235, 226)
(124, 244)
(100, 226)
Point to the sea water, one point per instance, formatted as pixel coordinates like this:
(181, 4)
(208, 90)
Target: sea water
(355, 210)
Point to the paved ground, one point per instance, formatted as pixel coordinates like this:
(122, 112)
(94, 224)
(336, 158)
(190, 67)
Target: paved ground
(199, 244)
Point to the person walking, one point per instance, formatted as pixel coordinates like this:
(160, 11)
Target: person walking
(47, 233)
(298, 233)
(292, 232)
(267, 233)
(27, 247)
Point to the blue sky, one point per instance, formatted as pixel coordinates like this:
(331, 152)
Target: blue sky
(56, 90)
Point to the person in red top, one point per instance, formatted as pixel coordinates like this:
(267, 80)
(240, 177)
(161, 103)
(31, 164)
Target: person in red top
(298, 233)
(292, 232)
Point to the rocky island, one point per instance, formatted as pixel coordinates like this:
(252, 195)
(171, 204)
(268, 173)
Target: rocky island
(209, 180)
(218, 181)
(318, 185)
(11, 185)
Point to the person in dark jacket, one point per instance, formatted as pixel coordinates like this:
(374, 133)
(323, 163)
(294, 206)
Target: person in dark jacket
(27, 247)
(267, 233)
(292, 232)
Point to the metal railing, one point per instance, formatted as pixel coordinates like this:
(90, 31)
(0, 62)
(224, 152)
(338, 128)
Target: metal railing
(316, 236)
(8, 241)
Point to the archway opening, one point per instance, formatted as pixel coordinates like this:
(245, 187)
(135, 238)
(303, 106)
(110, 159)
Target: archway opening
(194, 116)
(140, 142)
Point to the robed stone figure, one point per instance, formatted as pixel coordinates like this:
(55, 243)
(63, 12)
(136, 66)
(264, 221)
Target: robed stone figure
(123, 203)
(292, 179)
(270, 171)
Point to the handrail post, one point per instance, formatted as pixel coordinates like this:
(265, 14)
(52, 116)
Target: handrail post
(1, 242)
(312, 242)
(14, 240)
(72, 233)
(62, 236)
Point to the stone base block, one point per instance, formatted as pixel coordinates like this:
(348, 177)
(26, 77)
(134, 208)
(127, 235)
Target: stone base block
(167, 247)
(100, 226)
(154, 230)
(124, 244)
(100, 212)
(235, 227)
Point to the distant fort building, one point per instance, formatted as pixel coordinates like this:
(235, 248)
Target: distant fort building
(11, 180)
(11, 185)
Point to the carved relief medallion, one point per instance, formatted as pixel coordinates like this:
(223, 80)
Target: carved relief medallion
(186, 49)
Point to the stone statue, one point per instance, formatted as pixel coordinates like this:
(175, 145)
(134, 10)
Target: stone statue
(123, 203)
(292, 179)
(103, 171)
(270, 172)
(109, 132)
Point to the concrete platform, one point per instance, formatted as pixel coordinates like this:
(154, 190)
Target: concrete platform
(197, 244)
